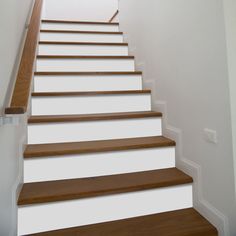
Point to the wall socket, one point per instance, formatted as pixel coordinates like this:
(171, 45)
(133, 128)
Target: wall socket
(211, 136)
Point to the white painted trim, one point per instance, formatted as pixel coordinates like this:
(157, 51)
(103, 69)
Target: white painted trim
(212, 214)
(16, 188)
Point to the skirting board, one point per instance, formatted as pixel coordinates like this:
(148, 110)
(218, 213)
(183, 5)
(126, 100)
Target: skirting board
(22, 137)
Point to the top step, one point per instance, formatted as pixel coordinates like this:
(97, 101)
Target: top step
(80, 22)
(79, 25)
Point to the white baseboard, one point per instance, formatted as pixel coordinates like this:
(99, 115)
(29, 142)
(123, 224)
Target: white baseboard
(212, 214)
(16, 188)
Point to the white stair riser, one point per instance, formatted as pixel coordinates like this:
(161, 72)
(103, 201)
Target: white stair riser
(98, 164)
(90, 104)
(83, 50)
(81, 27)
(87, 83)
(81, 37)
(66, 214)
(93, 130)
(90, 65)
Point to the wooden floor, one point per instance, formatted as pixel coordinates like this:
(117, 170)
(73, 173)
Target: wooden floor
(186, 222)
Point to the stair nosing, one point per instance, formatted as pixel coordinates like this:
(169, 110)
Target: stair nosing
(35, 151)
(74, 189)
(82, 43)
(92, 117)
(92, 93)
(79, 22)
(88, 73)
(80, 32)
(83, 57)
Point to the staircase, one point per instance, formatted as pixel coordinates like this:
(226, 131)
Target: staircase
(96, 162)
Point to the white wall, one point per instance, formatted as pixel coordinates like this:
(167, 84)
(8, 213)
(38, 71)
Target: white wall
(84, 10)
(13, 17)
(230, 22)
(181, 46)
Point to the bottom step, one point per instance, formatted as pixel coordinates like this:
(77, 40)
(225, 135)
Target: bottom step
(186, 222)
(54, 205)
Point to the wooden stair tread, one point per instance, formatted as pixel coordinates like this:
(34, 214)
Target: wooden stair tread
(80, 32)
(83, 43)
(62, 190)
(89, 73)
(82, 57)
(57, 149)
(91, 93)
(93, 117)
(187, 222)
(79, 22)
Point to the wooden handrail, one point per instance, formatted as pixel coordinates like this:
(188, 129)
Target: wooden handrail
(114, 16)
(21, 92)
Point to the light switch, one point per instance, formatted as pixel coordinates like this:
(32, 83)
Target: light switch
(211, 136)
